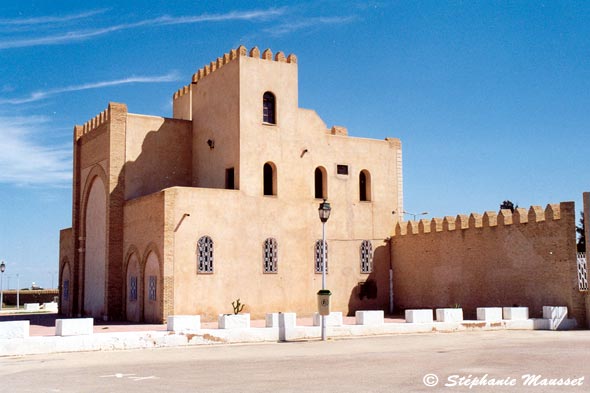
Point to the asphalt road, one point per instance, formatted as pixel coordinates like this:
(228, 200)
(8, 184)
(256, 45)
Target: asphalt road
(400, 363)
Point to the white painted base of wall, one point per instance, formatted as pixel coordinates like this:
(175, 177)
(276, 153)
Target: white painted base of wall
(272, 319)
(419, 316)
(449, 314)
(372, 318)
(74, 327)
(32, 307)
(181, 323)
(554, 312)
(234, 321)
(490, 314)
(334, 319)
(516, 313)
(14, 329)
(51, 306)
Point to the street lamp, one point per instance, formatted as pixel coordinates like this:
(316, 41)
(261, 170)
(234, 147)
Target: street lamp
(414, 215)
(324, 213)
(2, 268)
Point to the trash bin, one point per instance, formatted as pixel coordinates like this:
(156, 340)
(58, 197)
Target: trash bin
(324, 301)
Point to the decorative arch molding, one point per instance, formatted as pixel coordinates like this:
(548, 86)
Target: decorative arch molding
(65, 265)
(96, 171)
(132, 252)
(148, 315)
(151, 247)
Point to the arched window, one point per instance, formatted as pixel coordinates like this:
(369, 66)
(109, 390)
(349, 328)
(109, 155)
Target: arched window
(320, 183)
(205, 255)
(366, 257)
(319, 256)
(268, 108)
(270, 255)
(270, 179)
(365, 185)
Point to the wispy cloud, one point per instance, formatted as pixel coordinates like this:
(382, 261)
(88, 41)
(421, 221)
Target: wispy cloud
(81, 35)
(308, 23)
(25, 159)
(49, 19)
(42, 94)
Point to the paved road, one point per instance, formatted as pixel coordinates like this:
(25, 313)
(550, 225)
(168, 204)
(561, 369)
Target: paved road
(379, 364)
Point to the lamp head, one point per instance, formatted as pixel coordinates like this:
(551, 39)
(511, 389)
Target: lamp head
(324, 211)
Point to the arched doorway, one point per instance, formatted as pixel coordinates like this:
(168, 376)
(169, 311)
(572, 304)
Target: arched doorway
(152, 293)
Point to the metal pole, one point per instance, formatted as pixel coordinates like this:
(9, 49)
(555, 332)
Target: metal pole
(323, 275)
(1, 291)
(17, 292)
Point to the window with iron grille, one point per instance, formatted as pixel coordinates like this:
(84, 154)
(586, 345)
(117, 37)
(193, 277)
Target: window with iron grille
(366, 257)
(270, 255)
(152, 288)
(66, 289)
(318, 256)
(582, 272)
(268, 108)
(133, 288)
(205, 255)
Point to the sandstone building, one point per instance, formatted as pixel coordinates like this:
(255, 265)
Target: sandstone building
(183, 215)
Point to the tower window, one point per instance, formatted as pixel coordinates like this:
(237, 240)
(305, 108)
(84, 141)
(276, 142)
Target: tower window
(268, 108)
(365, 185)
(270, 179)
(229, 179)
(320, 183)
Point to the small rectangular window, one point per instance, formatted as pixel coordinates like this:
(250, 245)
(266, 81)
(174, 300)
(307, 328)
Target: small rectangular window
(133, 288)
(229, 179)
(152, 288)
(342, 169)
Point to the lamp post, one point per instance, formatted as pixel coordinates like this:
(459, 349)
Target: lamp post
(2, 268)
(324, 212)
(414, 215)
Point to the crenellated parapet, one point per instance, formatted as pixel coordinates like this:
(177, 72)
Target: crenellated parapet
(504, 218)
(234, 54)
(93, 123)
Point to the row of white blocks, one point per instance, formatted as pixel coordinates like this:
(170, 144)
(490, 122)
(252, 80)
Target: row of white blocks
(179, 323)
(63, 327)
(488, 314)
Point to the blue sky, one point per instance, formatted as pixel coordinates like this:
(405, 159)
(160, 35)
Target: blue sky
(490, 99)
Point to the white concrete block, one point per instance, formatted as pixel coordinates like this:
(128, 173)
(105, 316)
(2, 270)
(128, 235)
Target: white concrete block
(419, 316)
(74, 326)
(449, 314)
(373, 317)
(516, 313)
(287, 319)
(50, 306)
(272, 319)
(490, 314)
(32, 306)
(334, 319)
(14, 329)
(554, 312)
(180, 323)
(234, 321)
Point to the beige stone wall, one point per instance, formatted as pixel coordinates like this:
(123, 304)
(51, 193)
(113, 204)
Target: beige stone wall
(525, 258)
(239, 225)
(215, 114)
(157, 154)
(143, 240)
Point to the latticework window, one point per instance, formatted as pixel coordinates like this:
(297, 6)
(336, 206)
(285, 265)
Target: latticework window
(133, 288)
(270, 255)
(318, 256)
(366, 257)
(66, 289)
(152, 288)
(205, 255)
(582, 272)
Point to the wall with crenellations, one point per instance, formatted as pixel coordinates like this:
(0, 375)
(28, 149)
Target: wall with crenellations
(525, 258)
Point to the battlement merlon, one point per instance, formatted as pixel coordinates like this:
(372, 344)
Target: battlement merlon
(98, 120)
(520, 216)
(231, 56)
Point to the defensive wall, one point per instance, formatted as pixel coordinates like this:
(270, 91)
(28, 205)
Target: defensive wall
(525, 258)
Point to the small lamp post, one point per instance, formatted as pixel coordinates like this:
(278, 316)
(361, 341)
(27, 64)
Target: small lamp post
(2, 269)
(324, 213)
(414, 215)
